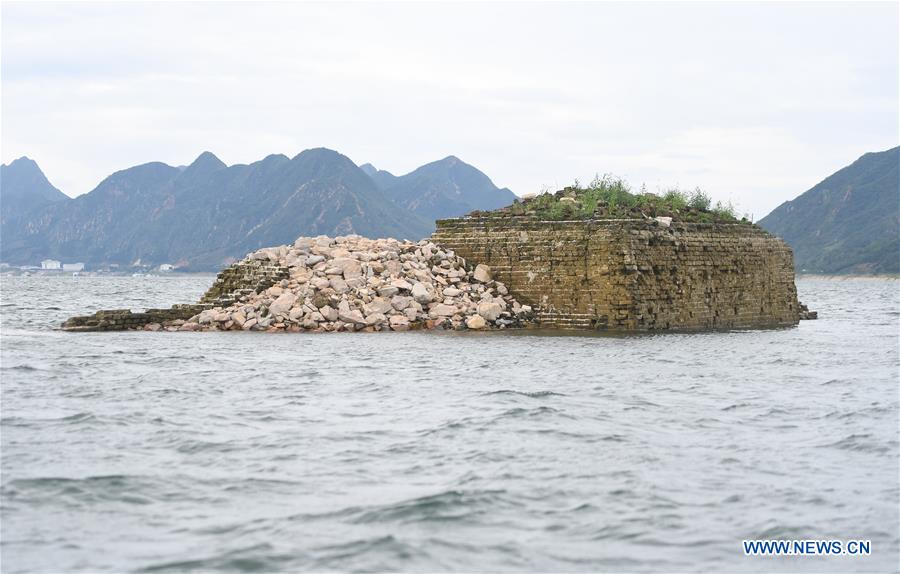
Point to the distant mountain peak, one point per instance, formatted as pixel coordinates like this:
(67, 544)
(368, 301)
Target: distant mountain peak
(318, 153)
(383, 179)
(24, 187)
(208, 158)
(448, 187)
(23, 161)
(206, 164)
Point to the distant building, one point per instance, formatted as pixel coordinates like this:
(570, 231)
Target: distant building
(73, 267)
(166, 267)
(50, 264)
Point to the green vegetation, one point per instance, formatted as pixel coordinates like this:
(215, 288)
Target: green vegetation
(609, 197)
(847, 223)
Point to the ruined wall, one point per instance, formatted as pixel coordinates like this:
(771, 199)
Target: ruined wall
(634, 274)
(604, 274)
(242, 278)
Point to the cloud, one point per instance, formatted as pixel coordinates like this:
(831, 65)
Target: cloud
(753, 102)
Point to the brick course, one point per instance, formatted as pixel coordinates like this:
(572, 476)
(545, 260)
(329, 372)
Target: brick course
(634, 274)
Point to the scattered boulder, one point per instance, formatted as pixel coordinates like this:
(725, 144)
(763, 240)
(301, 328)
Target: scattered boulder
(378, 305)
(283, 304)
(806, 314)
(476, 322)
(399, 323)
(489, 310)
(421, 294)
(482, 273)
(443, 310)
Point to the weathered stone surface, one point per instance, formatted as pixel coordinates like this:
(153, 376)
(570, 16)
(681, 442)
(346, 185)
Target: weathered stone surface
(482, 273)
(329, 313)
(402, 284)
(633, 274)
(206, 317)
(378, 305)
(376, 319)
(489, 310)
(320, 282)
(388, 292)
(806, 314)
(353, 316)
(338, 284)
(421, 294)
(349, 267)
(283, 304)
(476, 322)
(400, 303)
(443, 310)
(399, 323)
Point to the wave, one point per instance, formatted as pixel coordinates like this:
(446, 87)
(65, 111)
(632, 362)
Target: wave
(450, 505)
(256, 558)
(529, 394)
(860, 443)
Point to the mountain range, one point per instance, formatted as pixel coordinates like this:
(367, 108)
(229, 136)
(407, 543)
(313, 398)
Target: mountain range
(207, 214)
(848, 223)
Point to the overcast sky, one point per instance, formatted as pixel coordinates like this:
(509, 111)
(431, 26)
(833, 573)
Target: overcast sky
(755, 103)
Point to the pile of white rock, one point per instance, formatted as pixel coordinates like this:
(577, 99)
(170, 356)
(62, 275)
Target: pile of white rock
(356, 284)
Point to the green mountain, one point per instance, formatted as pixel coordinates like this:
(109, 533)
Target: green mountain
(23, 188)
(207, 214)
(444, 188)
(848, 223)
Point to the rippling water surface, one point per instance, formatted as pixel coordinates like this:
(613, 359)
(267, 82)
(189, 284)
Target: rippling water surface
(442, 451)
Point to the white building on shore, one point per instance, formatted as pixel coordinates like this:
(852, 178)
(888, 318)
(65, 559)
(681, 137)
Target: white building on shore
(73, 266)
(51, 264)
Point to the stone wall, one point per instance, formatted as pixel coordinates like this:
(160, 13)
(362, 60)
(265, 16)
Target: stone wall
(634, 274)
(125, 319)
(242, 278)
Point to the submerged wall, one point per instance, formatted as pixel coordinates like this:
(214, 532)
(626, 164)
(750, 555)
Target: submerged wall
(242, 278)
(634, 274)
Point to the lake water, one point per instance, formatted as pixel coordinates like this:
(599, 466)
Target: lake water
(443, 451)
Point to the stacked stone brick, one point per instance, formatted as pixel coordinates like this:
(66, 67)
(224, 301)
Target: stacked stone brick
(634, 274)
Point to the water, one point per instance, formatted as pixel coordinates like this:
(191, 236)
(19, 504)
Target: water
(428, 451)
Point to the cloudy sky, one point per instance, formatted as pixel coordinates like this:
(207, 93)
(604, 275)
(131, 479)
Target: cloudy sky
(753, 102)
